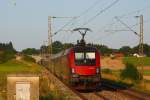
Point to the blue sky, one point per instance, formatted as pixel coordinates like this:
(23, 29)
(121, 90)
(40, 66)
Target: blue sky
(25, 22)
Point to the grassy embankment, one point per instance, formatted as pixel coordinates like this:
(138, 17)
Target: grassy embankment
(26, 67)
(14, 67)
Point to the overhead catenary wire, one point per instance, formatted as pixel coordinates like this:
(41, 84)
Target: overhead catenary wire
(100, 12)
(126, 25)
(72, 21)
(81, 14)
(103, 10)
(86, 11)
(133, 12)
(145, 21)
(116, 31)
(127, 14)
(121, 16)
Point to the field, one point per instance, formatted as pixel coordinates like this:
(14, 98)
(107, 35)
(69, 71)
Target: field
(111, 68)
(136, 61)
(118, 64)
(147, 72)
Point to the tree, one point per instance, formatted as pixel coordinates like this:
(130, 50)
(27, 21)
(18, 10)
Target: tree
(131, 72)
(146, 49)
(67, 45)
(104, 49)
(57, 47)
(30, 51)
(126, 50)
(7, 52)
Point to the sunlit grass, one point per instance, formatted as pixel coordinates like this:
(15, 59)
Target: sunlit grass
(14, 66)
(147, 72)
(136, 61)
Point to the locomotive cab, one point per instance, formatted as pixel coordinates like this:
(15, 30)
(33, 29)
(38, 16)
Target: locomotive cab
(85, 67)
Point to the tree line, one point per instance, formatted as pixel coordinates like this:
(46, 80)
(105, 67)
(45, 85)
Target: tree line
(7, 50)
(57, 46)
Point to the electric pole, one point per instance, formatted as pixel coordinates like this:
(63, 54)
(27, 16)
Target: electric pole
(141, 36)
(49, 35)
(50, 31)
(50, 41)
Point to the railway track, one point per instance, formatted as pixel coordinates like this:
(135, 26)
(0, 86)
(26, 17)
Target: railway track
(106, 95)
(111, 92)
(107, 91)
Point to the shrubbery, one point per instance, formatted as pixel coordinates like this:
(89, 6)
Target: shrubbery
(30, 51)
(47, 97)
(107, 71)
(131, 72)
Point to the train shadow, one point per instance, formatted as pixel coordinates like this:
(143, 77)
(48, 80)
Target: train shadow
(113, 85)
(108, 86)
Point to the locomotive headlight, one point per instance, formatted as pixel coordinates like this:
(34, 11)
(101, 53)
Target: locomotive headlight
(73, 70)
(97, 70)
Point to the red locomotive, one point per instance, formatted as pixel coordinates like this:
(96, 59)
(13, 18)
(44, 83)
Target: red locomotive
(78, 66)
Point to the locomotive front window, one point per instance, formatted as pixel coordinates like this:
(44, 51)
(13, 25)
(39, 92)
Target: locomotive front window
(79, 56)
(85, 59)
(90, 55)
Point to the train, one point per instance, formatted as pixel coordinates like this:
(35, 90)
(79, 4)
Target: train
(78, 66)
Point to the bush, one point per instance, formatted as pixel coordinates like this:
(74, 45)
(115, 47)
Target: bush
(107, 71)
(131, 72)
(28, 58)
(47, 97)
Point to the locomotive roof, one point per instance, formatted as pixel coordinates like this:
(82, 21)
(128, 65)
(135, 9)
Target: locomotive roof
(84, 48)
(62, 53)
(76, 49)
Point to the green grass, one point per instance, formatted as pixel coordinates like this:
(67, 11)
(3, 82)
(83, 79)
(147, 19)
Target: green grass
(147, 72)
(109, 71)
(117, 72)
(136, 61)
(14, 66)
(2, 98)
